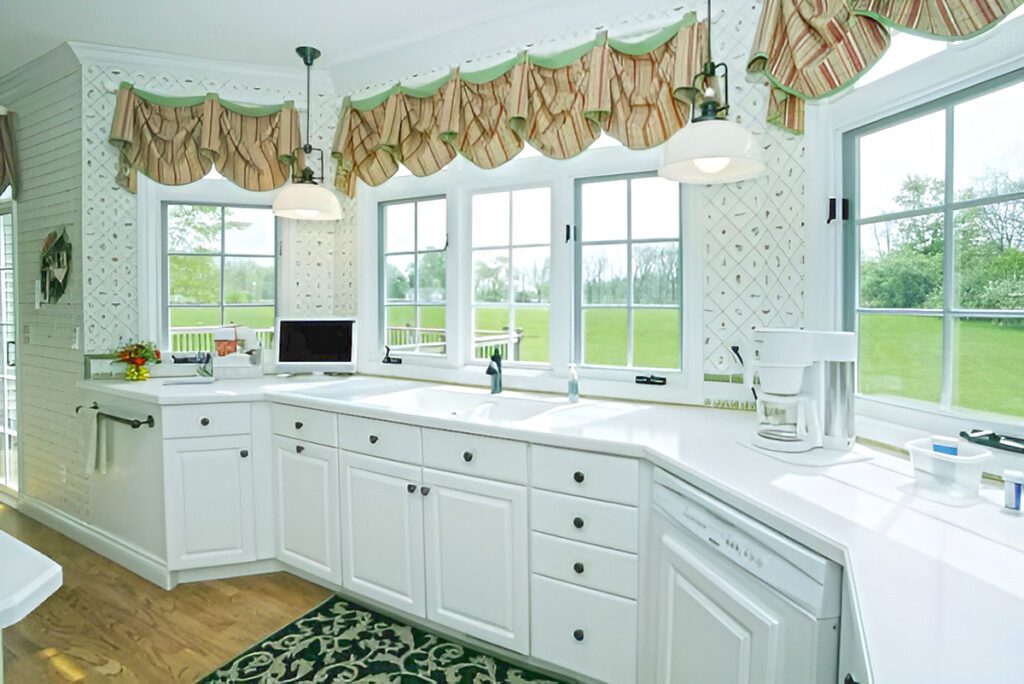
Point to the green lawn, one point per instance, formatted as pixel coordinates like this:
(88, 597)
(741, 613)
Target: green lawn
(899, 355)
(902, 356)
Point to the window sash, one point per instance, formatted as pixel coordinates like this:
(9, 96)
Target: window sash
(222, 256)
(949, 312)
(415, 303)
(580, 242)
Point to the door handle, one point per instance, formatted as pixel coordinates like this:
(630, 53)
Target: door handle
(244, 453)
(424, 490)
(374, 439)
(299, 449)
(12, 352)
(298, 425)
(411, 488)
(467, 456)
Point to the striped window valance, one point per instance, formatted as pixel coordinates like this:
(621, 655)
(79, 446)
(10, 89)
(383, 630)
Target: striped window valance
(637, 92)
(810, 50)
(177, 140)
(8, 158)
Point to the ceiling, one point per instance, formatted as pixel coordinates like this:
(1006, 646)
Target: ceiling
(252, 31)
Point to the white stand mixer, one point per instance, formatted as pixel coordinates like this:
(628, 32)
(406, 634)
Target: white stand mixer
(805, 395)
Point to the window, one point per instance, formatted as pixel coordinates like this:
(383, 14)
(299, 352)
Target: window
(511, 238)
(628, 272)
(8, 374)
(414, 273)
(221, 270)
(935, 280)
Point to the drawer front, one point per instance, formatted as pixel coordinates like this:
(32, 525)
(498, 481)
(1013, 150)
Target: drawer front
(457, 452)
(202, 420)
(309, 425)
(608, 478)
(380, 438)
(585, 520)
(583, 630)
(584, 564)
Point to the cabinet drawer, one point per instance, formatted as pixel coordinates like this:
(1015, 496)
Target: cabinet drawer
(609, 478)
(380, 438)
(585, 520)
(457, 452)
(308, 425)
(584, 564)
(201, 420)
(583, 630)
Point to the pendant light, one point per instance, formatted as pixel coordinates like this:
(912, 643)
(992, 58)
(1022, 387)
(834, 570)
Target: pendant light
(711, 149)
(303, 198)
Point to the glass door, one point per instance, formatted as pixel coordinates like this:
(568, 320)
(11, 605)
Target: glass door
(8, 348)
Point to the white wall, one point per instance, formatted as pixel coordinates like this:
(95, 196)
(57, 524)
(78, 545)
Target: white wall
(45, 96)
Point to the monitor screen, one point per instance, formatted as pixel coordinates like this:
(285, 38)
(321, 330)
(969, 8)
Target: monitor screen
(315, 341)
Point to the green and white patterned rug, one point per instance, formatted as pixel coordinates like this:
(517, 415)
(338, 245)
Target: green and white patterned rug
(339, 641)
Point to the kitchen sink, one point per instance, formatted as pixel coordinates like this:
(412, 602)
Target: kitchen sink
(463, 404)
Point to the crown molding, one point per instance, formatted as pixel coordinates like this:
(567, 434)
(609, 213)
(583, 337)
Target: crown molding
(133, 57)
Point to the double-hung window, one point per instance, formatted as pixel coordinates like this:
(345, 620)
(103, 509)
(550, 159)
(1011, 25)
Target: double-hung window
(935, 250)
(629, 267)
(414, 243)
(221, 270)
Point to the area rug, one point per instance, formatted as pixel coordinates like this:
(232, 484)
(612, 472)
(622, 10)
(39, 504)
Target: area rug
(339, 641)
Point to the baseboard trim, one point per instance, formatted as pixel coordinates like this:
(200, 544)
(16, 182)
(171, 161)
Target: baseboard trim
(9, 497)
(141, 563)
(218, 572)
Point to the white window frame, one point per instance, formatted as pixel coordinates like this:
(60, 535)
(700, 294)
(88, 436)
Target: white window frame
(457, 183)
(154, 319)
(958, 67)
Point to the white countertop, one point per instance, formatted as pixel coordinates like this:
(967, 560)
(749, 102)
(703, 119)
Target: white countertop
(27, 578)
(939, 590)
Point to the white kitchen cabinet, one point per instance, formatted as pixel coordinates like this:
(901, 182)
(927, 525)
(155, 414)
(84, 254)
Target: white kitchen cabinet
(477, 572)
(306, 507)
(382, 531)
(208, 488)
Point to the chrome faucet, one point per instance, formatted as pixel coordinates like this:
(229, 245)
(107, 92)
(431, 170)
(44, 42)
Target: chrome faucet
(494, 370)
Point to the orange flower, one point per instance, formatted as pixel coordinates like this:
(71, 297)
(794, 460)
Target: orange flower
(139, 361)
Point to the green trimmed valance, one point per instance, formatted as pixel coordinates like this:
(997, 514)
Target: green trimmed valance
(177, 140)
(8, 158)
(637, 91)
(810, 50)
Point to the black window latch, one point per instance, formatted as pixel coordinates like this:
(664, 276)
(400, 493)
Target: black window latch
(651, 380)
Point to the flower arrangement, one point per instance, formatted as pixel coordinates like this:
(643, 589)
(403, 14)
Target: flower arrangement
(136, 355)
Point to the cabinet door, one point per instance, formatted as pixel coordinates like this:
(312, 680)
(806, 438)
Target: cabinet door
(382, 531)
(717, 625)
(208, 485)
(306, 505)
(475, 532)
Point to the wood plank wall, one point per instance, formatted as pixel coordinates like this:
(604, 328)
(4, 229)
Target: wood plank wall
(46, 97)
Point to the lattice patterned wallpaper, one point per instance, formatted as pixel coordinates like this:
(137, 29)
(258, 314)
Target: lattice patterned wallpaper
(109, 239)
(753, 241)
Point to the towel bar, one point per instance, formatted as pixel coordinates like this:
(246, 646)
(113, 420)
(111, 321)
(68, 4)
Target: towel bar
(135, 423)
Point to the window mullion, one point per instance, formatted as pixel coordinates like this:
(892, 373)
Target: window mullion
(223, 263)
(948, 260)
(629, 273)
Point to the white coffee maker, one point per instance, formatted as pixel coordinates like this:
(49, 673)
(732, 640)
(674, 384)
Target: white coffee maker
(804, 389)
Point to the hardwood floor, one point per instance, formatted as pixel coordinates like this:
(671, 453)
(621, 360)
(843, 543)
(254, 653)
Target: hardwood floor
(108, 623)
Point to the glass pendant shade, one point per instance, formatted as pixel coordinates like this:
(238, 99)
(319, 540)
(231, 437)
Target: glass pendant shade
(307, 202)
(711, 152)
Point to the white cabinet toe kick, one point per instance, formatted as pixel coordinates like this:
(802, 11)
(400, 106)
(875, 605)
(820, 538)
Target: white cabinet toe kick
(567, 560)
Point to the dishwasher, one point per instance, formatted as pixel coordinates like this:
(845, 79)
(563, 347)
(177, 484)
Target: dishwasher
(733, 600)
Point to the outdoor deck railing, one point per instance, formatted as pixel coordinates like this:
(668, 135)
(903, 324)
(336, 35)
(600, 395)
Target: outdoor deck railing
(201, 339)
(432, 341)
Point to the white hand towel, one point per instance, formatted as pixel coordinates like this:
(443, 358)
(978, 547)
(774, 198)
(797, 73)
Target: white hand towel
(89, 417)
(102, 448)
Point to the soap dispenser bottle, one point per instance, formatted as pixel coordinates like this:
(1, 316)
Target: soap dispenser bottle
(574, 384)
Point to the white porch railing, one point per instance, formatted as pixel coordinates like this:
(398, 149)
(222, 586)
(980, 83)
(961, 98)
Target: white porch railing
(433, 341)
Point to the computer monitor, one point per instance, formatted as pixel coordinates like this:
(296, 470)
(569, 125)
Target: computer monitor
(315, 345)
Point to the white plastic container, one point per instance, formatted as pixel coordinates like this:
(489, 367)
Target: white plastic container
(956, 476)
